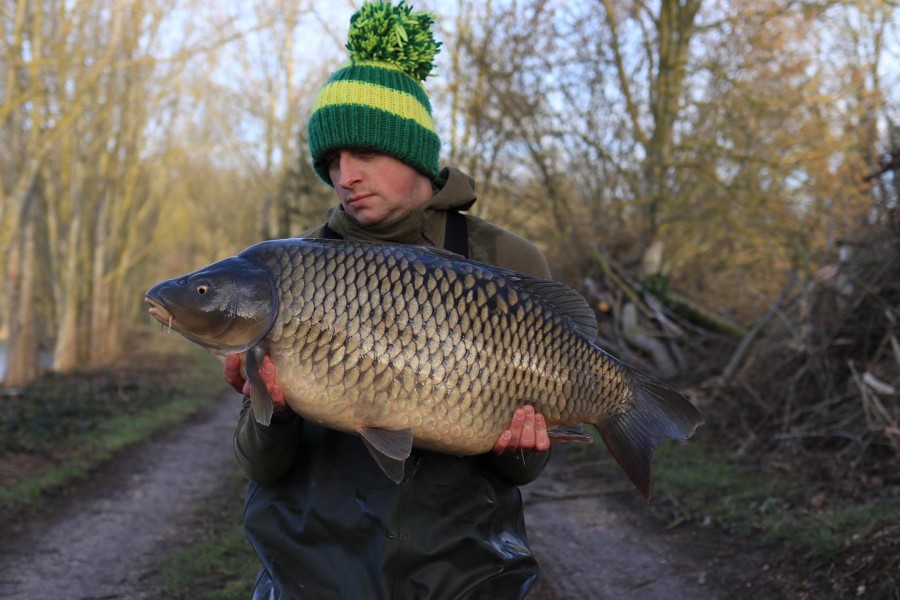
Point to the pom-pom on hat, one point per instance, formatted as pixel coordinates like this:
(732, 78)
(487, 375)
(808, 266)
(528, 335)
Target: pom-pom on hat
(376, 100)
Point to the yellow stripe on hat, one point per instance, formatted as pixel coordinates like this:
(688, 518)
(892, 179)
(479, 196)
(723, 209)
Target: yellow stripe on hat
(374, 96)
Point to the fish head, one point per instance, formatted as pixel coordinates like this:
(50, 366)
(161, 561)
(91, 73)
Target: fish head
(227, 306)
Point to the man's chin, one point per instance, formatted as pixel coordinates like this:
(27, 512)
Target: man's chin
(365, 219)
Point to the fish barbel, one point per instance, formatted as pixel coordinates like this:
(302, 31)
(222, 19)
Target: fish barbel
(416, 346)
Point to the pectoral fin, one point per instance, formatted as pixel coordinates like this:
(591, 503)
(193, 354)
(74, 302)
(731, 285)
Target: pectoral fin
(260, 401)
(390, 449)
(569, 433)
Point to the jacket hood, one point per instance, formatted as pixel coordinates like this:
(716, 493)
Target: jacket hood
(454, 190)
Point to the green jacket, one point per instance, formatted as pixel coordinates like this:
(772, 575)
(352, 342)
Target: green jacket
(324, 520)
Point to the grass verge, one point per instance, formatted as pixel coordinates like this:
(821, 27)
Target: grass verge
(63, 426)
(218, 563)
(850, 539)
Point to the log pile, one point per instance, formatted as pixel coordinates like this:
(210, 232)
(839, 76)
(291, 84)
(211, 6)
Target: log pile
(819, 371)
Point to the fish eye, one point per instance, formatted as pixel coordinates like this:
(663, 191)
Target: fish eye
(202, 288)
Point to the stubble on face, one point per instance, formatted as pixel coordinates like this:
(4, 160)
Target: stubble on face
(374, 188)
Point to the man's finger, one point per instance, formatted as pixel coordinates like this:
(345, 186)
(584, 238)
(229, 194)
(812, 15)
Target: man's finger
(267, 371)
(526, 438)
(501, 444)
(517, 423)
(232, 371)
(277, 394)
(515, 428)
(541, 437)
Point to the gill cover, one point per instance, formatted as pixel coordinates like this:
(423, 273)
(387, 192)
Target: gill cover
(228, 306)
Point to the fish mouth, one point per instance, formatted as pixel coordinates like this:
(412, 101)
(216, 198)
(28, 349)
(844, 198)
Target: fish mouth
(169, 323)
(159, 312)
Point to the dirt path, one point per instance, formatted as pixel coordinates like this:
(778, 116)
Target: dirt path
(106, 539)
(597, 539)
(113, 532)
(590, 546)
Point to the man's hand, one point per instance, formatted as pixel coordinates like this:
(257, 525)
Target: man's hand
(280, 410)
(527, 431)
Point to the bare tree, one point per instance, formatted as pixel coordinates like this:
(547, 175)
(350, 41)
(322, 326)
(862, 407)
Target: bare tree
(39, 108)
(82, 93)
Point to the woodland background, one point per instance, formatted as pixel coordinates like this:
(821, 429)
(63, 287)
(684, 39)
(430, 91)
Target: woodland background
(716, 176)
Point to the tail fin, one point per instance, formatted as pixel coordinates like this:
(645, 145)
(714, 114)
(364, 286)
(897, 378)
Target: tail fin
(658, 411)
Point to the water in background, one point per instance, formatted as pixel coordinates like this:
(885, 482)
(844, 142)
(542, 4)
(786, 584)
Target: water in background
(46, 359)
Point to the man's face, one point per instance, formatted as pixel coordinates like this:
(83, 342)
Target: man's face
(374, 188)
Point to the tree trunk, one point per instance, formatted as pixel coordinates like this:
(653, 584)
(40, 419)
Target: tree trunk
(675, 29)
(23, 363)
(100, 310)
(65, 352)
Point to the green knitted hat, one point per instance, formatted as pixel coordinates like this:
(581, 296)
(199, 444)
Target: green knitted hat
(376, 100)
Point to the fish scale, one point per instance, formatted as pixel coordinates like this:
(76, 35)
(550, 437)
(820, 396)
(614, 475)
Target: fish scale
(408, 345)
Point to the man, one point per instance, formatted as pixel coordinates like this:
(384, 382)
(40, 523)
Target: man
(322, 517)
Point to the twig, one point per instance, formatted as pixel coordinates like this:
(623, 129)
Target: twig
(621, 282)
(799, 435)
(744, 347)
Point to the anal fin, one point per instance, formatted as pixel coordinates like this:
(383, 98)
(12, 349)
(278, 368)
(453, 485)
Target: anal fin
(390, 448)
(569, 433)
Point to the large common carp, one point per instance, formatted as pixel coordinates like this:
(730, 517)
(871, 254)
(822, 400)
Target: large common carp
(411, 345)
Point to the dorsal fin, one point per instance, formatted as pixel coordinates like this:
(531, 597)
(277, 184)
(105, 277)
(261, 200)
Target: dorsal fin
(558, 295)
(563, 298)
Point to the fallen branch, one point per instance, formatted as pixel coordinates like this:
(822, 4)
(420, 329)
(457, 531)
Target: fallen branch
(746, 344)
(636, 336)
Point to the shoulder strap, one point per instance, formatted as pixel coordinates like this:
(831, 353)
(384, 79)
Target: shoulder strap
(456, 234)
(330, 234)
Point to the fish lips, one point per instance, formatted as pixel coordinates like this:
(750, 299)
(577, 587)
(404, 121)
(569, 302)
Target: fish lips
(162, 314)
(159, 312)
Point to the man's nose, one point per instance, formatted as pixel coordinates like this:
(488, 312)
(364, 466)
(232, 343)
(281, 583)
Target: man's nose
(348, 170)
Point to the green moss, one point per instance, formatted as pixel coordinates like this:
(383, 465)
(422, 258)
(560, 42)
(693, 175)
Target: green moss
(820, 535)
